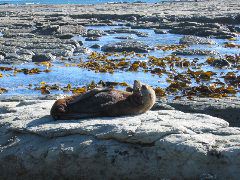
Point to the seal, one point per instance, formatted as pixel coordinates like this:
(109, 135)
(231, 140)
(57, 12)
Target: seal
(101, 102)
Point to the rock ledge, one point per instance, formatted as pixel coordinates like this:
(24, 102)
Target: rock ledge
(157, 144)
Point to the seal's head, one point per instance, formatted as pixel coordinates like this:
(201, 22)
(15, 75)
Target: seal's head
(146, 93)
(58, 109)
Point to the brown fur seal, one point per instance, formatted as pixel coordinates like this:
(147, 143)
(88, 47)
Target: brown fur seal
(105, 102)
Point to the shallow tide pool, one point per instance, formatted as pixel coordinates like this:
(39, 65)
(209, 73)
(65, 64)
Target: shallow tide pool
(62, 75)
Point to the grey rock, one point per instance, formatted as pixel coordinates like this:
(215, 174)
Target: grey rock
(190, 40)
(15, 35)
(1, 57)
(94, 33)
(81, 50)
(95, 46)
(149, 18)
(160, 31)
(65, 36)
(189, 52)
(48, 30)
(161, 106)
(123, 37)
(157, 144)
(132, 18)
(43, 57)
(56, 52)
(80, 43)
(73, 42)
(237, 29)
(13, 58)
(127, 46)
(4, 50)
(142, 34)
(141, 25)
(75, 29)
(127, 31)
(221, 63)
(208, 177)
(24, 52)
(121, 30)
(225, 36)
(3, 54)
(202, 29)
(226, 108)
(92, 39)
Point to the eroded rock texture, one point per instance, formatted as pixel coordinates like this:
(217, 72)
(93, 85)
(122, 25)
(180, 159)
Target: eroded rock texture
(157, 144)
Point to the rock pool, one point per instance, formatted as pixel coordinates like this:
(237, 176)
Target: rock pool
(64, 72)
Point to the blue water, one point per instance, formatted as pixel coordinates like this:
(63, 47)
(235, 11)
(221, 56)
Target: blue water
(71, 1)
(78, 77)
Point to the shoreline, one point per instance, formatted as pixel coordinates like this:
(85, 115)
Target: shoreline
(204, 8)
(110, 2)
(49, 29)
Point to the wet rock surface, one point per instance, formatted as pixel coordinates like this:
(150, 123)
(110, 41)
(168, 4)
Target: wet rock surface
(221, 63)
(42, 57)
(47, 30)
(124, 37)
(190, 40)
(92, 39)
(122, 30)
(127, 46)
(159, 31)
(94, 33)
(46, 35)
(95, 46)
(189, 52)
(46, 27)
(203, 29)
(155, 144)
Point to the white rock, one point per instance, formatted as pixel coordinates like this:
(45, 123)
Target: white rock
(157, 144)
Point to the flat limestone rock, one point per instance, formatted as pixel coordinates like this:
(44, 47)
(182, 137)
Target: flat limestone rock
(190, 40)
(127, 46)
(225, 108)
(191, 52)
(157, 144)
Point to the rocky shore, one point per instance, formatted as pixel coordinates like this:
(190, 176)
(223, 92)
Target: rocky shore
(158, 144)
(29, 30)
